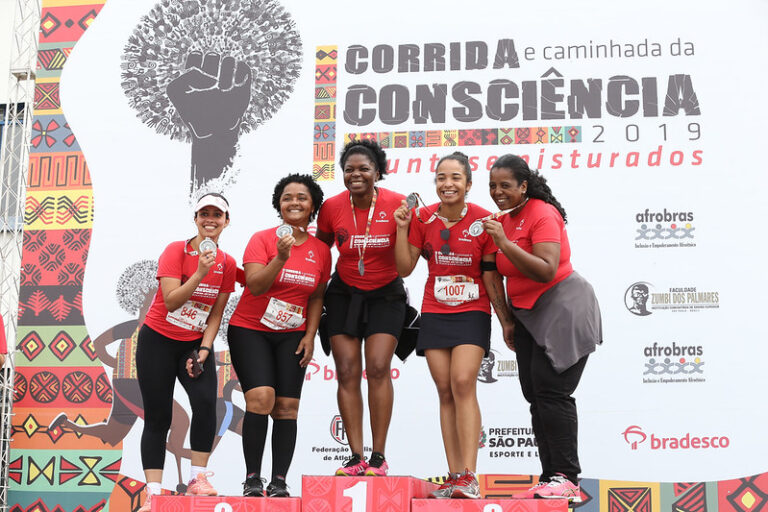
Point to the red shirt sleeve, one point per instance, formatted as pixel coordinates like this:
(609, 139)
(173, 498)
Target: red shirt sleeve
(546, 229)
(416, 232)
(3, 343)
(324, 219)
(326, 275)
(171, 261)
(257, 251)
(230, 275)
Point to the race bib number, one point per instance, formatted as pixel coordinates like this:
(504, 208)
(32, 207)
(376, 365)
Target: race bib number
(282, 315)
(455, 290)
(192, 316)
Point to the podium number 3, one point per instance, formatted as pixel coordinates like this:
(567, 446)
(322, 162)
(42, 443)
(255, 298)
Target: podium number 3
(222, 507)
(358, 494)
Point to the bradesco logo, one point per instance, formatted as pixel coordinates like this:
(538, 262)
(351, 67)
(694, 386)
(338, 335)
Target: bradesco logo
(326, 373)
(635, 437)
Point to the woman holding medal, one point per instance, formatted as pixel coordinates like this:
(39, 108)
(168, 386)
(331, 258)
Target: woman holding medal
(176, 340)
(455, 314)
(272, 331)
(556, 317)
(365, 299)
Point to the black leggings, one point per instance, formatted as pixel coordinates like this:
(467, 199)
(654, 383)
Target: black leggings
(553, 409)
(159, 362)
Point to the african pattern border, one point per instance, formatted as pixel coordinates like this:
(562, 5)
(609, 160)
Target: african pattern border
(471, 137)
(324, 144)
(57, 368)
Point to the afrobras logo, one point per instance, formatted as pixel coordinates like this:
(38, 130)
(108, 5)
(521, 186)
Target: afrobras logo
(492, 368)
(642, 299)
(666, 228)
(636, 438)
(669, 364)
(338, 432)
(508, 442)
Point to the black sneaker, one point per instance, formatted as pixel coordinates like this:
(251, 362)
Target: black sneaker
(253, 486)
(277, 488)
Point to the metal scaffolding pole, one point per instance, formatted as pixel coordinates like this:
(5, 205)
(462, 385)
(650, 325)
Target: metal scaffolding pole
(14, 160)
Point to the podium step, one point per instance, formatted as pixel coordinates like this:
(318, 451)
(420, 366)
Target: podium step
(503, 505)
(224, 504)
(362, 494)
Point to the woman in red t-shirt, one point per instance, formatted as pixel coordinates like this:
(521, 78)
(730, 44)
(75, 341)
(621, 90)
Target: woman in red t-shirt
(195, 282)
(556, 316)
(272, 331)
(365, 298)
(455, 313)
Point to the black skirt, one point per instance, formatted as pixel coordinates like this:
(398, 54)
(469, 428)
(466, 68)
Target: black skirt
(446, 330)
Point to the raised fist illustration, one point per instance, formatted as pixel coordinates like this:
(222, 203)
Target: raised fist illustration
(211, 98)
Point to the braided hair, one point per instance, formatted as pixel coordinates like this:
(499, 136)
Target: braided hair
(537, 184)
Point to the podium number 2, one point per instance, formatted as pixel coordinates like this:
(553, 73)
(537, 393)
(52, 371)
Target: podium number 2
(222, 507)
(357, 493)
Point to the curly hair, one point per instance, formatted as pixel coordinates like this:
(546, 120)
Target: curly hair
(370, 149)
(537, 184)
(134, 285)
(315, 192)
(462, 159)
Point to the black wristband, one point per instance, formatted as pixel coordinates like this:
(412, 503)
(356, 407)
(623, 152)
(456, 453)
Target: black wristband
(201, 347)
(487, 266)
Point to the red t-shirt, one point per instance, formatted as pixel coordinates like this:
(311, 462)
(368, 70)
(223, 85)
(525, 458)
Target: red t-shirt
(178, 263)
(464, 259)
(308, 266)
(336, 217)
(537, 222)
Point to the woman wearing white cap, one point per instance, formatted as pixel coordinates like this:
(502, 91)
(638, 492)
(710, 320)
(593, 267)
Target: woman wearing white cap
(176, 340)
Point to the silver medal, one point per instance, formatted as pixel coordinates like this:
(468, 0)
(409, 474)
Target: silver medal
(284, 230)
(208, 245)
(361, 267)
(412, 201)
(476, 228)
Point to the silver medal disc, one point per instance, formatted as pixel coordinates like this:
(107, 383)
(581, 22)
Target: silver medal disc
(476, 228)
(361, 267)
(412, 201)
(208, 245)
(284, 230)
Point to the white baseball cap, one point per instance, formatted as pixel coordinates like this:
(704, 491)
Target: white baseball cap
(212, 200)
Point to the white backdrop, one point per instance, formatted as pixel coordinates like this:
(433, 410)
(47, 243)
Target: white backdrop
(141, 194)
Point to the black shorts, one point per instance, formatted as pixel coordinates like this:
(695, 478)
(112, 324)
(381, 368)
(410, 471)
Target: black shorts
(377, 316)
(266, 358)
(446, 330)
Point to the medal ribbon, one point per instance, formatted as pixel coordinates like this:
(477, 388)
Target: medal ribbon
(361, 253)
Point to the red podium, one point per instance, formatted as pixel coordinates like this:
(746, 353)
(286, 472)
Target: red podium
(506, 505)
(362, 494)
(224, 504)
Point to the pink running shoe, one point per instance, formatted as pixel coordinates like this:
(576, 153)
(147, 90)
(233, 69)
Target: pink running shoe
(530, 493)
(560, 487)
(377, 465)
(147, 506)
(355, 466)
(200, 486)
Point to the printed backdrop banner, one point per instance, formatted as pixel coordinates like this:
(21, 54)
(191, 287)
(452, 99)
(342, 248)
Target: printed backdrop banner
(637, 116)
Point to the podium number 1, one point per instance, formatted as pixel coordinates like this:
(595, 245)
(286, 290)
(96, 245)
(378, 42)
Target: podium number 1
(358, 494)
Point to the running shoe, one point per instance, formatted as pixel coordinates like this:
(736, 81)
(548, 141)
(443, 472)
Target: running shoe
(560, 487)
(446, 489)
(147, 506)
(530, 493)
(253, 486)
(377, 465)
(277, 488)
(355, 466)
(200, 486)
(466, 486)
